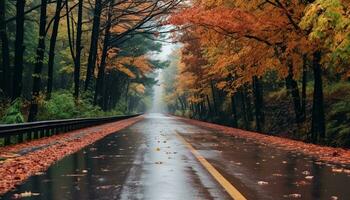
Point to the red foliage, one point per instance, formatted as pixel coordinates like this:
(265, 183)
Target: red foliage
(227, 20)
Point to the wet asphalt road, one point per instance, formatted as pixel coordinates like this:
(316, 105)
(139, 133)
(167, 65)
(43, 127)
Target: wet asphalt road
(150, 161)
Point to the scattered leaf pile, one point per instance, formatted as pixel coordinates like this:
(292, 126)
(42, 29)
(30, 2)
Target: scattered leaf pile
(322, 153)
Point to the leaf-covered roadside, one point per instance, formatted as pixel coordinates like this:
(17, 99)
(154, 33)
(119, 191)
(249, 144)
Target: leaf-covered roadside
(322, 153)
(15, 168)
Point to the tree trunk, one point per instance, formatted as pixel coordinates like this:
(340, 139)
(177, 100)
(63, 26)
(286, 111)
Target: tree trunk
(318, 130)
(303, 91)
(209, 106)
(78, 49)
(244, 110)
(101, 71)
(258, 101)
(249, 111)
(5, 53)
(234, 111)
(40, 53)
(182, 104)
(52, 48)
(293, 90)
(214, 98)
(93, 45)
(19, 50)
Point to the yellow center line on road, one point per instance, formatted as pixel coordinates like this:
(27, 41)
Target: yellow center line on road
(230, 189)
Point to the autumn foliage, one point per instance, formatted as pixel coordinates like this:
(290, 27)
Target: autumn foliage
(231, 48)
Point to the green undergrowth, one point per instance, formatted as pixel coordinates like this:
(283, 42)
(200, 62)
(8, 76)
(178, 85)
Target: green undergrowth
(337, 110)
(61, 105)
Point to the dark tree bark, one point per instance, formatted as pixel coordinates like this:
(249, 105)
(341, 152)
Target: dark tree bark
(258, 101)
(70, 38)
(215, 108)
(5, 53)
(209, 105)
(52, 48)
(234, 111)
(19, 50)
(40, 53)
(78, 49)
(293, 90)
(93, 45)
(101, 72)
(303, 90)
(248, 103)
(318, 130)
(182, 104)
(244, 112)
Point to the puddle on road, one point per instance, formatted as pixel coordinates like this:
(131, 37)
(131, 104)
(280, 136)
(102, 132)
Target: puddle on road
(91, 173)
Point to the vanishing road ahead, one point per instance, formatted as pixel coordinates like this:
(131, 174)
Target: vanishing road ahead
(162, 158)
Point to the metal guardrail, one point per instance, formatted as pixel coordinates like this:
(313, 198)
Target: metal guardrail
(34, 130)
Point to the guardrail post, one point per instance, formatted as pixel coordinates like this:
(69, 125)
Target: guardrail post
(20, 138)
(29, 135)
(41, 133)
(7, 140)
(36, 136)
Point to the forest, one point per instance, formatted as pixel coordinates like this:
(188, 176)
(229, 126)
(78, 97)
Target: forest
(78, 58)
(280, 67)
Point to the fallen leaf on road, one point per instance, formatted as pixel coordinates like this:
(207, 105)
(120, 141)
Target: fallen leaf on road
(104, 187)
(277, 175)
(337, 170)
(292, 196)
(24, 195)
(300, 183)
(334, 198)
(306, 172)
(262, 183)
(309, 177)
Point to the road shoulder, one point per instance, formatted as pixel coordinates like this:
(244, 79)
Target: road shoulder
(21, 161)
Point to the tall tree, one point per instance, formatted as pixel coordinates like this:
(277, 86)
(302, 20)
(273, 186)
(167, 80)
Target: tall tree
(5, 52)
(19, 50)
(94, 42)
(78, 48)
(40, 53)
(98, 100)
(53, 40)
(258, 103)
(318, 127)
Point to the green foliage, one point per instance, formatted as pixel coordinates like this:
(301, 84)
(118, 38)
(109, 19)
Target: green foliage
(63, 106)
(338, 90)
(328, 24)
(338, 117)
(187, 113)
(13, 113)
(338, 126)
